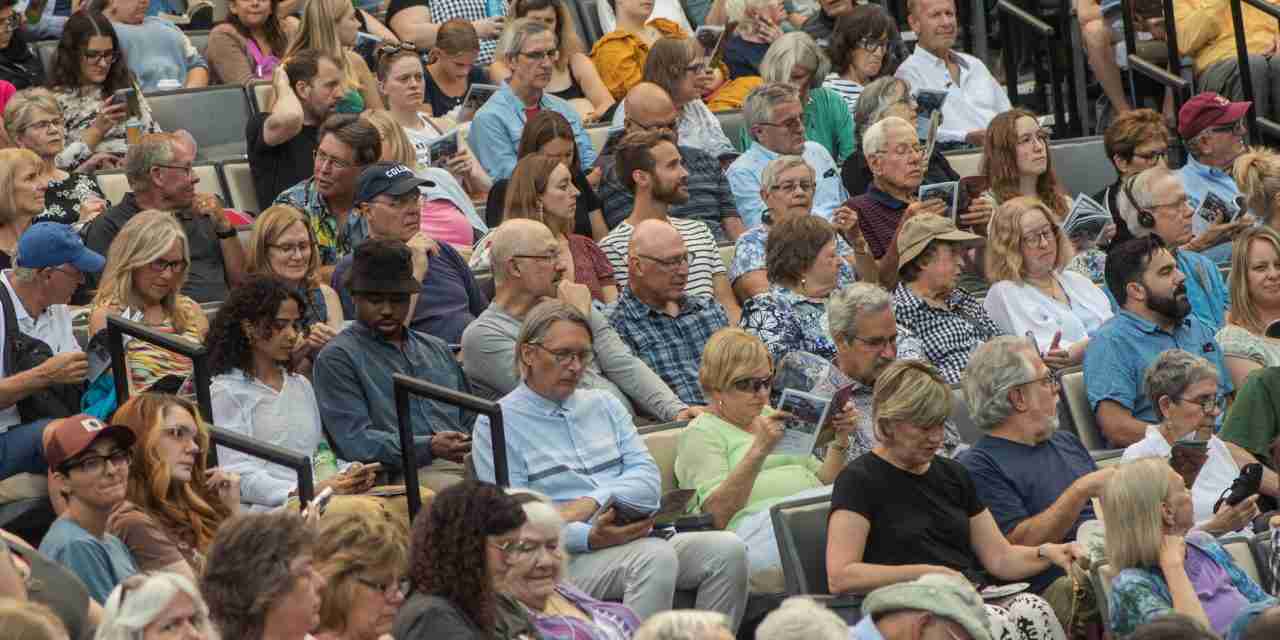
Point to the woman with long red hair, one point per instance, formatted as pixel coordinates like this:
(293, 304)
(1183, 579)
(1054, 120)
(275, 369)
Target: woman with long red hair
(173, 503)
(1016, 159)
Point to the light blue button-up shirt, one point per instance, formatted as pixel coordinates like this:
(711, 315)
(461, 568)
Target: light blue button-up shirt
(745, 174)
(1200, 179)
(585, 446)
(865, 630)
(495, 131)
(1206, 291)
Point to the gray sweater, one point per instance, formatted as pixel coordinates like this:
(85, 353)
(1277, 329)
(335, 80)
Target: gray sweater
(488, 358)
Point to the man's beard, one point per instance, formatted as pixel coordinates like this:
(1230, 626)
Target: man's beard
(1174, 307)
(671, 194)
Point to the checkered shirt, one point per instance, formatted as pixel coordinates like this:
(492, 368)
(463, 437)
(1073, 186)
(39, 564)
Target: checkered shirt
(948, 335)
(672, 347)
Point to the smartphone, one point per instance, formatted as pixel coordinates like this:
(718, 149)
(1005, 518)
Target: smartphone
(321, 501)
(128, 97)
(972, 188)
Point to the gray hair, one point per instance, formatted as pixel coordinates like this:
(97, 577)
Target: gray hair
(736, 10)
(800, 618)
(511, 43)
(25, 275)
(1172, 372)
(683, 624)
(877, 135)
(795, 49)
(760, 103)
(1142, 187)
(846, 305)
(151, 151)
(125, 618)
(508, 240)
(995, 367)
(876, 98)
(781, 165)
(538, 322)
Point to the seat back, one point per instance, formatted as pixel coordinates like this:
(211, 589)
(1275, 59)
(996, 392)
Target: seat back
(216, 117)
(1241, 551)
(45, 50)
(599, 136)
(1101, 577)
(732, 124)
(726, 254)
(967, 163)
(1261, 547)
(259, 95)
(240, 191)
(210, 180)
(590, 21)
(199, 40)
(1081, 165)
(1076, 399)
(800, 527)
(662, 441)
(962, 419)
(115, 185)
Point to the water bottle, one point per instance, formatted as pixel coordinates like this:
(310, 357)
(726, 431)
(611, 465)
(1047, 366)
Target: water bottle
(324, 464)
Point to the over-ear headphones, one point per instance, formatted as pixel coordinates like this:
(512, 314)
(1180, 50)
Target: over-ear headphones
(1145, 219)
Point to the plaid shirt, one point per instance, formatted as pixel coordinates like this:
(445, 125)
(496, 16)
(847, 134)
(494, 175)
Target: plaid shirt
(949, 335)
(672, 347)
(332, 242)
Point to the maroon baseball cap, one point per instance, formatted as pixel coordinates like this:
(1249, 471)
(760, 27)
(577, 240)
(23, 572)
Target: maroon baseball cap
(66, 438)
(1206, 110)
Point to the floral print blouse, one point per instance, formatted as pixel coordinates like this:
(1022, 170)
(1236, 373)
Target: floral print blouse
(787, 321)
(62, 201)
(80, 105)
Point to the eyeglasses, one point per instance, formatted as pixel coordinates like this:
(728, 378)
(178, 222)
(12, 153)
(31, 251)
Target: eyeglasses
(12, 23)
(565, 358)
(1180, 203)
(519, 549)
(871, 45)
(878, 343)
(1043, 234)
(668, 263)
(1040, 136)
(389, 589)
(904, 149)
(669, 126)
(1209, 406)
(94, 465)
(323, 158)
(1154, 156)
(538, 56)
(184, 169)
(388, 49)
(752, 385)
(1237, 128)
(1052, 380)
(47, 125)
(796, 123)
(160, 265)
(793, 185)
(301, 248)
(553, 256)
(92, 56)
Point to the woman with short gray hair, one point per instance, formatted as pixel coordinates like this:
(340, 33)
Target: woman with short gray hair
(686, 624)
(1183, 388)
(144, 604)
(795, 59)
(880, 99)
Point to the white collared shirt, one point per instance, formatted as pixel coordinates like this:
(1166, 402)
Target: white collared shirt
(53, 328)
(1018, 307)
(1216, 476)
(971, 103)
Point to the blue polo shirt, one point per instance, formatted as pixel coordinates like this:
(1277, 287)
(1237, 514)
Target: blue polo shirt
(746, 172)
(1206, 291)
(1116, 360)
(1198, 180)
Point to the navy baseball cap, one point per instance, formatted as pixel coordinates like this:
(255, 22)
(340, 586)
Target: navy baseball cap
(52, 244)
(391, 178)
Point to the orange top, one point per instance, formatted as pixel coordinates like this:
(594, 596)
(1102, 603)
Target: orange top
(619, 56)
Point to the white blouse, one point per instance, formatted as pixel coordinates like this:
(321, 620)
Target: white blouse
(1216, 476)
(1018, 307)
(289, 419)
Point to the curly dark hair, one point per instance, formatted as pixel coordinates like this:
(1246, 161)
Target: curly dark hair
(248, 569)
(80, 27)
(257, 302)
(447, 555)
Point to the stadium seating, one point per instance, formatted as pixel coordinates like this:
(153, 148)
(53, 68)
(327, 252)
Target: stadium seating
(661, 440)
(800, 527)
(962, 419)
(115, 185)
(239, 186)
(215, 117)
(1076, 400)
(259, 95)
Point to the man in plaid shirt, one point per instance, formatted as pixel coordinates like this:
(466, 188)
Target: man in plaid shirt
(664, 327)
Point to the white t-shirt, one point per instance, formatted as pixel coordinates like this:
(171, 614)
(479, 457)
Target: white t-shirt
(53, 327)
(421, 139)
(1216, 476)
(1018, 307)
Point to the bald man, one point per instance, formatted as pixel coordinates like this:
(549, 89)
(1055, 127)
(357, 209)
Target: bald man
(663, 325)
(528, 267)
(710, 201)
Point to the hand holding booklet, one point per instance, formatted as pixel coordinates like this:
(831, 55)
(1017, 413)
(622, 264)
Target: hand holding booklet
(808, 416)
(1086, 222)
(673, 504)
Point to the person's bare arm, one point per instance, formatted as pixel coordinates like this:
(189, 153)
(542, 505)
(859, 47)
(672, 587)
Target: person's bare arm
(732, 226)
(376, 28)
(1052, 524)
(286, 117)
(1118, 424)
(413, 24)
(197, 77)
(579, 510)
(717, 15)
(751, 283)
(592, 86)
(1240, 368)
(724, 293)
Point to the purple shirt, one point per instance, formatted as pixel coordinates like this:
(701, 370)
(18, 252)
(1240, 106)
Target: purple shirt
(1221, 599)
(610, 620)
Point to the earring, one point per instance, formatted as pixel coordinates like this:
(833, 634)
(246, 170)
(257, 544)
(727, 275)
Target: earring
(539, 210)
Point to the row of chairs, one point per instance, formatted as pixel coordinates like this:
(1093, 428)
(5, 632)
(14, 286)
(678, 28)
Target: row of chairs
(229, 179)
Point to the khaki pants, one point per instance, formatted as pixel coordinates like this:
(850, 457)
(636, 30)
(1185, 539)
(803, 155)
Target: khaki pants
(440, 475)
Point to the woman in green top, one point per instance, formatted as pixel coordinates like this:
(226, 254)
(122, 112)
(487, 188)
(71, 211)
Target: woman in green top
(726, 454)
(795, 59)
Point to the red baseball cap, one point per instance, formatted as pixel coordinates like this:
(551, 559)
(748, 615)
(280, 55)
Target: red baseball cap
(67, 438)
(1206, 110)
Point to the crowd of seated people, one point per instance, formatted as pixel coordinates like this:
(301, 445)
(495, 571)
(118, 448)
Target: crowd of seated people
(590, 282)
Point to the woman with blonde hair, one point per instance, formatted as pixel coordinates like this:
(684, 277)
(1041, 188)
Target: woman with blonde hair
(27, 620)
(146, 268)
(364, 559)
(284, 246)
(331, 26)
(22, 191)
(1031, 292)
(1164, 567)
(172, 506)
(1257, 171)
(902, 511)
(33, 120)
(1254, 286)
(151, 606)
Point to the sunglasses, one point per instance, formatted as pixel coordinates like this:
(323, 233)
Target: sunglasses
(753, 385)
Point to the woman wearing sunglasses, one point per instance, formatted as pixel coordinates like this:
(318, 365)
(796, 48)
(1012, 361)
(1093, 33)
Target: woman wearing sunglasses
(726, 455)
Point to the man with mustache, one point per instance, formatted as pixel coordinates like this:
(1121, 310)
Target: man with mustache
(649, 165)
(973, 95)
(1155, 315)
(529, 267)
(663, 325)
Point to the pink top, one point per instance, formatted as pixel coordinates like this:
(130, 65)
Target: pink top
(6, 91)
(445, 222)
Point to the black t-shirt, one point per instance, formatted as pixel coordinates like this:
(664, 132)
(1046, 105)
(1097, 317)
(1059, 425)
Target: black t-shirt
(915, 519)
(441, 103)
(277, 168)
(588, 201)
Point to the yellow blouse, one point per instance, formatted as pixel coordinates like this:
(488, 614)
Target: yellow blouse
(1205, 32)
(619, 56)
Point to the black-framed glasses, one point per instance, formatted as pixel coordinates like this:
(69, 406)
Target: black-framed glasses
(184, 169)
(752, 385)
(553, 256)
(546, 54)
(668, 264)
(1209, 406)
(564, 358)
(793, 185)
(160, 265)
(796, 123)
(109, 56)
(300, 248)
(873, 45)
(401, 586)
(94, 465)
(880, 342)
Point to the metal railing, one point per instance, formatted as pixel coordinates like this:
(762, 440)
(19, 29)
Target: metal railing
(118, 327)
(1257, 123)
(405, 386)
(1170, 78)
(1062, 96)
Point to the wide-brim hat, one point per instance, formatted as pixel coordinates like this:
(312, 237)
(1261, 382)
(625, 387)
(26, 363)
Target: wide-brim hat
(920, 230)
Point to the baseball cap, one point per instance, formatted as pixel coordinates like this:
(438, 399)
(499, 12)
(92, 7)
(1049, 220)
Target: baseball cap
(1206, 110)
(919, 231)
(391, 178)
(942, 595)
(67, 438)
(52, 244)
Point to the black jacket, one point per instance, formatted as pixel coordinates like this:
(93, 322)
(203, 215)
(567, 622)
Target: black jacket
(20, 65)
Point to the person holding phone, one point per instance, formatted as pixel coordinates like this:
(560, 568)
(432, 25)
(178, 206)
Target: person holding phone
(33, 121)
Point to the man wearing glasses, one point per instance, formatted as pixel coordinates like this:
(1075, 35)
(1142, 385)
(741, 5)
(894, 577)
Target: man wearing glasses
(90, 460)
(1214, 129)
(775, 119)
(159, 172)
(496, 129)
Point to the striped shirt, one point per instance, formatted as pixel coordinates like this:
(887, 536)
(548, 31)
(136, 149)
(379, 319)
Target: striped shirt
(849, 91)
(704, 256)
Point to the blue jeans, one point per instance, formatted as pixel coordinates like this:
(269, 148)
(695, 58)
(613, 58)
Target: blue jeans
(22, 449)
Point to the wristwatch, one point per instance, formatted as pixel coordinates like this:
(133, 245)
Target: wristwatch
(1040, 555)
